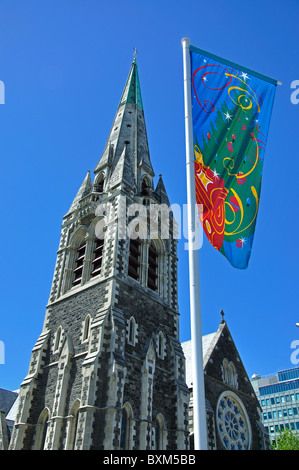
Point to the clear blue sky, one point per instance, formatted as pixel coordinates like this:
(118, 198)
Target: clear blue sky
(64, 64)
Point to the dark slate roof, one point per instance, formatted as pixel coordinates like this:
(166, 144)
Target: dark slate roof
(7, 399)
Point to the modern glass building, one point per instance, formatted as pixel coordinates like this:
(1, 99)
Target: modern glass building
(279, 398)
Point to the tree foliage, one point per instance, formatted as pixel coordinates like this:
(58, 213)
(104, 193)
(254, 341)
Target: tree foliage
(287, 440)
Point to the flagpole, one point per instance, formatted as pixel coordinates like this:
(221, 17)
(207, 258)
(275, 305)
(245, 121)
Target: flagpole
(199, 408)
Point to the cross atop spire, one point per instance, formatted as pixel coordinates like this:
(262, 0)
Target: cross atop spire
(135, 54)
(222, 315)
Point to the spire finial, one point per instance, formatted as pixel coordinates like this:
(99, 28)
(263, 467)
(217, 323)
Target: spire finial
(135, 54)
(222, 315)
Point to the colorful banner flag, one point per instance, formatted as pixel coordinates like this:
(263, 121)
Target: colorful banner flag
(231, 110)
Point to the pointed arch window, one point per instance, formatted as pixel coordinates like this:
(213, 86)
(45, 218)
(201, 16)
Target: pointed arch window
(233, 376)
(229, 373)
(160, 345)
(78, 271)
(126, 427)
(98, 257)
(152, 267)
(86, 328)
(99, 183)
(72, 427)
(134, 258)
(132, 331)
(57, 339)
(145, 187)
(41, 429)
(159, 433)
(123, 430)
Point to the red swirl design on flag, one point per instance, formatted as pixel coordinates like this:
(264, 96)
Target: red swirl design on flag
(211, 193)
(203, 76)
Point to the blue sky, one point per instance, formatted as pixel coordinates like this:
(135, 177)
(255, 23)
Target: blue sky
(64, 64)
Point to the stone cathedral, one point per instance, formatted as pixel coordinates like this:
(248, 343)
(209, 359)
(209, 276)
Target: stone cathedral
(108, 370)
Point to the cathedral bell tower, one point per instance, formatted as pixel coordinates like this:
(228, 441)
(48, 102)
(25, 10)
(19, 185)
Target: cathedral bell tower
(107, 371)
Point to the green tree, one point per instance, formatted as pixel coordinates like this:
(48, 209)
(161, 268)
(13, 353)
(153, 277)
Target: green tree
(287, 440)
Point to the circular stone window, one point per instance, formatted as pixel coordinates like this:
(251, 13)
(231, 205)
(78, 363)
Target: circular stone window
(233, 422)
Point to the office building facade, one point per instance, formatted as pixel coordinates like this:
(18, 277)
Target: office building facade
(279, 398)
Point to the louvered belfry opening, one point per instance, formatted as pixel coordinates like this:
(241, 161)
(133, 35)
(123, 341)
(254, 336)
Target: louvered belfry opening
(79, 264)
(98, 257)
(134, 258)
(152, 267)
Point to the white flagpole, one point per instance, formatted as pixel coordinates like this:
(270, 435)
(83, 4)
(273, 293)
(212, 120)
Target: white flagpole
(199, 408)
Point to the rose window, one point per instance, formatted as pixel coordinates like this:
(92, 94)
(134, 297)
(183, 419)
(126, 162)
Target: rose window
(232, 421)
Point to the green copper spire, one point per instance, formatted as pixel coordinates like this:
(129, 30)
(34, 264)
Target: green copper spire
(132, 91)
(126, 155)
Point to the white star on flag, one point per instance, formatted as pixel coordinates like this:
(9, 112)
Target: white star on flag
(215, 174)
(227, 115)
(244, 76)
